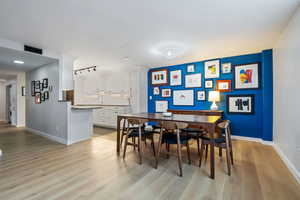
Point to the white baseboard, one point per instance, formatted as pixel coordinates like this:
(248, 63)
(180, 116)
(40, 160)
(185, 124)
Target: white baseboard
(253, 140)
(287, 162)
(51, 137)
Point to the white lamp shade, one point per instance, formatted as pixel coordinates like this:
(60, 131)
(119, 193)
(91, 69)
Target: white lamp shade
(214, 96)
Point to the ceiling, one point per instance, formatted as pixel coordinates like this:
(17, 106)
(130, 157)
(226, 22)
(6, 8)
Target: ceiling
(118, 34)
(31, 61)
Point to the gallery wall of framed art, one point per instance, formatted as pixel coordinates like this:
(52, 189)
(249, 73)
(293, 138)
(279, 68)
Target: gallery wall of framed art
(186, 87)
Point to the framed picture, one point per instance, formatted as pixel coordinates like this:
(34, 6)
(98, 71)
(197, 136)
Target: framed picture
(46, 95)
(156, 91)
(175, 77)
(166, 92)
(42, 97)
(223, 85)
(183, 97)
(161, 106)
(212, 69)
(33, 88)
(37, 97)
(209, 84)
(226, 68)
(193, 80)
(37, 85)
(240, 104)
(191, 68)
(246, 76)
(159, 77)
(201, 95)
(45, 83)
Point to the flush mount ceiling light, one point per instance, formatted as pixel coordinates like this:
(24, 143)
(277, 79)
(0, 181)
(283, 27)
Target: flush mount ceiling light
(169, 50)
(20, 62)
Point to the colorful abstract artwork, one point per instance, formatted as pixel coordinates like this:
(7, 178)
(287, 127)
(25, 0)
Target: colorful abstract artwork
(240, 104)
(212, 69)
(175, 78)
(159, 77)
(246, 76)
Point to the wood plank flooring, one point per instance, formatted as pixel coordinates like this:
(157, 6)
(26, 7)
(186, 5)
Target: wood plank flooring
(33, 167)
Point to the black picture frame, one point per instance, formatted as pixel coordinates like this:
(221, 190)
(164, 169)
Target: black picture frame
(45, 83)
(42, 97)
(23, 91)
(33, 88)
(46, 95)
(37, 85)
(258, 74)
(252, 105)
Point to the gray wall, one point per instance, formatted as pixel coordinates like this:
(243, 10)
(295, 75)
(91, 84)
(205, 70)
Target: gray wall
(287, 94)
(49, 117)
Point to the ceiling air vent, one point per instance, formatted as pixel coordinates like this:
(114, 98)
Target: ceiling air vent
(33, 49)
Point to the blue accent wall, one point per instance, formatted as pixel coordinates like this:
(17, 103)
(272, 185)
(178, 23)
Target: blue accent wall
(258, 125)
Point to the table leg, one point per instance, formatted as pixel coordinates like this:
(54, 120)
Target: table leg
(212, 152)
(118, 134)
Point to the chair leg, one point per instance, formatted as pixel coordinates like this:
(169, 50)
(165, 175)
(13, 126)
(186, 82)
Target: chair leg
(220, 152)
(228, 161)
(153, 147)
(134, 144)
(179, 154)
(140, 147)
(201, 153)
(206, 152)
(168, 150)
(188, 152)
(125, 146)
(158, 148)
(231, 152)
(198, 146)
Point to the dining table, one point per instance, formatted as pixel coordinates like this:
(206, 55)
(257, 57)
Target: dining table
(208, 123)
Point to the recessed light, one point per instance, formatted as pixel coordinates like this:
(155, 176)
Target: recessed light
(19, 62)
(126, 59)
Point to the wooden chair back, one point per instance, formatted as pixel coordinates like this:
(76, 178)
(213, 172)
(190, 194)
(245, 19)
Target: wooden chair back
(225, 125)
(136, 122)
(173, 125)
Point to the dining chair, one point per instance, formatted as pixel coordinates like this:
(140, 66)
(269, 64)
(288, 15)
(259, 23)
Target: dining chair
(125, 128)
(222, 142)
(195, 133)
(171, 133)
(139, 133)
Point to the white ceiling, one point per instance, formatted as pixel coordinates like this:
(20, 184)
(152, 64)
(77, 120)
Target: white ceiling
(104, 32)
(31, 61)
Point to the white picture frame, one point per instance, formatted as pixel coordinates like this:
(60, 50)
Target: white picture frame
(209, 84)
(156, 91)
(159, 77)
(212, 69)
(183, 97)
(161, 106)
(201, 95)
(166, 92)
(246, 76)
(175, 78)
(226, 68)
(190, 68)
(193, 80)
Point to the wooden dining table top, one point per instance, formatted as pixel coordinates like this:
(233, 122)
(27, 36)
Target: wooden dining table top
(175, 117)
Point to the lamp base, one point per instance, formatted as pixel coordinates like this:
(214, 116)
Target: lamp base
(214, 106)
(0, 152)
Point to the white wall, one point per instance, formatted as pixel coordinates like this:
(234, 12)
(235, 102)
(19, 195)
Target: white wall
(50, 117)
(287, 95)
(2, 101)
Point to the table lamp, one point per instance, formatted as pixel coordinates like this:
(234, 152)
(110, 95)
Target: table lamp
(214, 96)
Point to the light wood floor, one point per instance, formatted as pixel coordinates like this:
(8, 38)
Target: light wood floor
(33, 167)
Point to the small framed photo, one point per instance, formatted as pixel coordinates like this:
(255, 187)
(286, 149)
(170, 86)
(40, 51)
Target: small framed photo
(33, 88)
(159, 77)
(240, 104)
(156, 91)
(212, 69)
(223, 85)
(166, 92)
(37, 97)
(46, 95)
(209, 84)
(246, 76)
(45, 83)
(37, 85)
(201, 95)
(161, 106)
(226, 68)
(190, 68)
